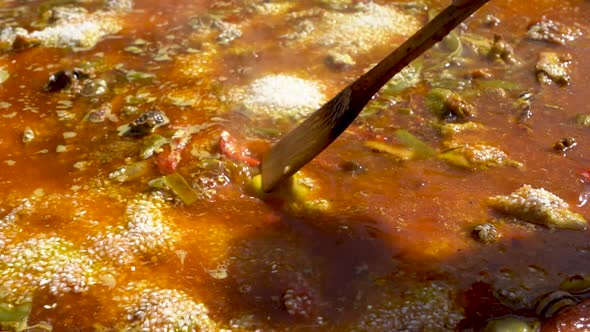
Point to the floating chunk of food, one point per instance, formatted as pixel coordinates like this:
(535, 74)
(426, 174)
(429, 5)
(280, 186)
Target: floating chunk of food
(398, 152)
(565, 144)
(448, 105)
(358, 30)
(339, 61)
(12, 38)
(295, 190)
(485, 233)
(553, 67)
(146, 234)
(450, 129)
(509, 323)
(552, 32)
(539, 206)
(577, 285)
(477, 157)
(63, 79)
(501, 50)
(150, 308)
(226, 32)
(280, 96)
(68, 27)
(178, 185)
(4, 75)
(583, 120)
(144, 124)
(102, 113)
(44, 263)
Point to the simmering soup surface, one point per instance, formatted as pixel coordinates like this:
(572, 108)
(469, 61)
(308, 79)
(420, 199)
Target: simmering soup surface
(131, 135)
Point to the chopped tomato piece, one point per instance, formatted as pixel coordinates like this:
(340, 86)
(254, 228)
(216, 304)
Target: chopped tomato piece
(168, 161)
(230, 149)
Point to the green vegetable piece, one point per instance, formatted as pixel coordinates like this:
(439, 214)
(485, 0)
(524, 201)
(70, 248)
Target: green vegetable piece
(134, 49)
(420, 148)
(477, 157)
(456, 158)
(436, 100)
(498, 84)
(4, 75)
(448, 129)
(179, 186)
(133, 75)
(409, 76)
(395, 151)
(15, 313)
(153, 145)
(575, 284)
(131, 172)
(482, 45)
(453, 43)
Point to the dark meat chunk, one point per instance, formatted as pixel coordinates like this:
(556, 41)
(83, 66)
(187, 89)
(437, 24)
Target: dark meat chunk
(564, 144)
(144, 124)
(63, 79)
(448, 105)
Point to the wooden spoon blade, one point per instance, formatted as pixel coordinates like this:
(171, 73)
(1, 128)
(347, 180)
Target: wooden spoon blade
(321, 128)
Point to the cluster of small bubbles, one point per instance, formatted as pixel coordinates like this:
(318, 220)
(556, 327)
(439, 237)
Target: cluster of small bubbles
(297, 303)
(45, 263)
(425, 308)
(146, 234)
(150, 308)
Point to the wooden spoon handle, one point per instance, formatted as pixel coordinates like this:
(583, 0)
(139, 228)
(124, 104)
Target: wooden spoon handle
(322, 127)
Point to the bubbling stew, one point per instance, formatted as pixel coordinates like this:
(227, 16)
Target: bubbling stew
(131, 135)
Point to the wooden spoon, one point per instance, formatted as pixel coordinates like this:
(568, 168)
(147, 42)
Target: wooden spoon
(322, 127)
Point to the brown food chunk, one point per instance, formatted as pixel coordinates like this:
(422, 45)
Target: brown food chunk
(553, 67)
(539, 206)
(501, 50)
